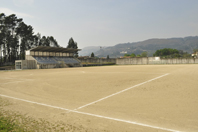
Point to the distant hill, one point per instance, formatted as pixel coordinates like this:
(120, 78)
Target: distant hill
(186, 44)
(88, 50)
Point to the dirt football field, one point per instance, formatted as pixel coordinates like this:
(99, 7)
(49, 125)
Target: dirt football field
(132, 98)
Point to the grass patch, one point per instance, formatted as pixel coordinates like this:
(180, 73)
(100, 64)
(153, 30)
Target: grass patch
(15, 122)
(6, 124)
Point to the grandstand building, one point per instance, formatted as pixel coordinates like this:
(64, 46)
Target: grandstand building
(48, 57)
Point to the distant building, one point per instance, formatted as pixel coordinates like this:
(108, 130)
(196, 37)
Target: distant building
(123, 52)
(194, 55)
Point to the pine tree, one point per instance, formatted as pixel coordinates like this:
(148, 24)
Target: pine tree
(16, 37)
(107, 56)
(92, 54)
(72, 44)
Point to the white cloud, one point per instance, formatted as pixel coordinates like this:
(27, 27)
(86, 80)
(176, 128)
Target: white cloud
(23, 2)
(18, 14)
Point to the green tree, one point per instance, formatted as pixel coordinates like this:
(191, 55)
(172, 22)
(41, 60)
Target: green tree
(71, 43)
(133, 55)
(16, 37)
(74, 45)
(25, 33)
(107, 56)
(2, 35)
(10, 24)
(45, 41)
(167, 53)
(92, 54)
(52, 41)
(125, 55)
(144, 54)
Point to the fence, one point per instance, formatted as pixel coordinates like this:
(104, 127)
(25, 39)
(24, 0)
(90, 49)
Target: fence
(154, 60)
(97, 61)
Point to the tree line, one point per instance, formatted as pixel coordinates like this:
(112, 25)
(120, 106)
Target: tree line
(16, 37)
(171, 53)
(165, 53)
(143, 54)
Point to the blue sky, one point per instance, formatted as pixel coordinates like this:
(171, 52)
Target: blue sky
(106, 22)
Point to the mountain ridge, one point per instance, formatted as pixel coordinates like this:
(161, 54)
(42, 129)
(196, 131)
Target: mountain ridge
(186, 44)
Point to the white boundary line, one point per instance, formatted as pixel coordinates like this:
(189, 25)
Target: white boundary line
(34, 102)
(94, 115)
(121, 91)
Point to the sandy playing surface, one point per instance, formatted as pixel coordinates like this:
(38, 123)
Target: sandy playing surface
(169, 102)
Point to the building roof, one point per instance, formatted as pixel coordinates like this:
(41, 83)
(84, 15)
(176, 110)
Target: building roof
(54, 49)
